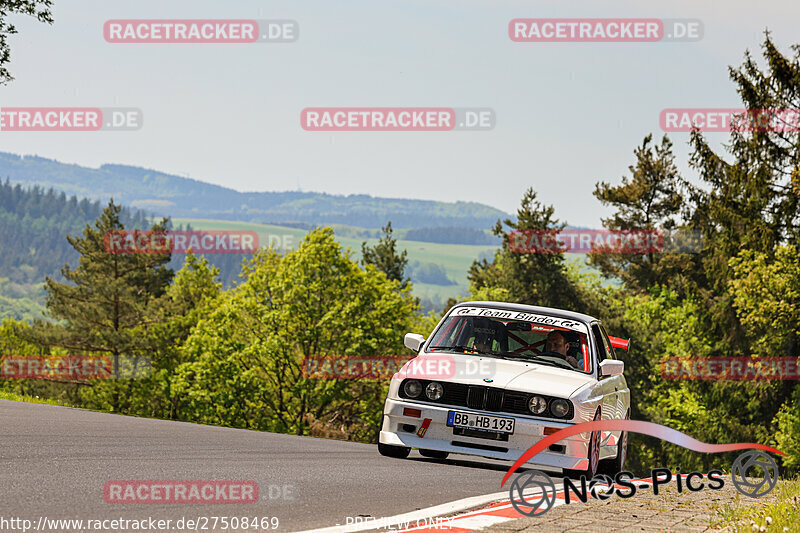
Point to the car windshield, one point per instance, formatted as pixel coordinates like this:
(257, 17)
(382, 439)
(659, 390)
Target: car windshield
(543, 339)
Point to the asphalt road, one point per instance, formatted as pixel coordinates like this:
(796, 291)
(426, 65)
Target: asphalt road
(55, 461)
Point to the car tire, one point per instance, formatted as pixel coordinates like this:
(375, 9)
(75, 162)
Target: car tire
(434, 454)
(398, 452)
(612, 467)
(594, 456)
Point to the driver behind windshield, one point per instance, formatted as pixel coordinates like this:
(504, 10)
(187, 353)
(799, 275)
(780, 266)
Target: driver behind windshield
(486, 333)
(483, 340)
(557, 343)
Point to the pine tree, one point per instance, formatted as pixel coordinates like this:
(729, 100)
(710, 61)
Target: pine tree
(650, 200)
(529, 278)
(105, 298)
(385, 257)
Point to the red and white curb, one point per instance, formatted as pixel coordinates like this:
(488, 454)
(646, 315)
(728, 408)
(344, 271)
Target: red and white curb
(497, 509)
(496, 513)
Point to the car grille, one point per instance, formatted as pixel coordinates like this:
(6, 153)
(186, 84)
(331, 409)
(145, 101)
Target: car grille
(492, 399)
(486, 399)
(476, 397)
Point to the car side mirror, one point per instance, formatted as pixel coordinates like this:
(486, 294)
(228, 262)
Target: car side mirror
(610, 367)
(414, 341)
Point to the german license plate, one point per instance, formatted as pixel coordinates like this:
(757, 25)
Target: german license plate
(495, 424)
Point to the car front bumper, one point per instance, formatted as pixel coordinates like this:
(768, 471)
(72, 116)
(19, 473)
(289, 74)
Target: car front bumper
(571, 452)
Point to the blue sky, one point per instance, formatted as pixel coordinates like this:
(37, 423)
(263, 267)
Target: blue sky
(568, 114)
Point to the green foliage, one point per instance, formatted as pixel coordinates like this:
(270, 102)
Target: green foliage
(247, 355)
(14, 342)
(33, 223)
(750, 199)
(662, 326)
(384, 256)
(536, 279)
(787, 438)
(21, 301)
(104, 302)
(39, 9)
(738, 297)
(223, 357)
(650, 200)
(749, 208)
(766, 293)
(192, 294)
(427, 272)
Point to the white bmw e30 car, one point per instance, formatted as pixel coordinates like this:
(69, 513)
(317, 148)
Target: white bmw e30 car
(494, 378)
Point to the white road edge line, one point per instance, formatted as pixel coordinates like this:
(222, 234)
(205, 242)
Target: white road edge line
(420, 515)
(482, 518)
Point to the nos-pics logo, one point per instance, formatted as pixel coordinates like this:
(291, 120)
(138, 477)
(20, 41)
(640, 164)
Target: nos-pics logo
(532, 493)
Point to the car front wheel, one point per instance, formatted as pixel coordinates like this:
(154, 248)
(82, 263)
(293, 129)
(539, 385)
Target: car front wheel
(398, 452)
(616, 464)
(594, 456)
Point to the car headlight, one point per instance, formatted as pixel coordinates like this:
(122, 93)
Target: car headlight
(559, 408)
(434, 391)
(412, 388)
(537, 405)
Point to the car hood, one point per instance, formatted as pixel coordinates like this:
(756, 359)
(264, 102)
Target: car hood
(513, 375)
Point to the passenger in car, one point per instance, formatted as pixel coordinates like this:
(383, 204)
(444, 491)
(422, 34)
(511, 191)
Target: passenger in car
(557, 343)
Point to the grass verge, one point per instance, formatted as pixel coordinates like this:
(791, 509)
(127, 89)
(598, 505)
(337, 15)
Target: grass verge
(781, 515)
(30, 399)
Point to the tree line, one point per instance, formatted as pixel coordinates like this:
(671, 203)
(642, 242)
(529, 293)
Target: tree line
(228, 357)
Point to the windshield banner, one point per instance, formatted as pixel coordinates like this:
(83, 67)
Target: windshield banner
(504, 314)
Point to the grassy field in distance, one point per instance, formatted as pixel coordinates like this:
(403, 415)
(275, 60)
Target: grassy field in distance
(455, 259)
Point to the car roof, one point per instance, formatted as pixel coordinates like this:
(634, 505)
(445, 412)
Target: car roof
(561, 313)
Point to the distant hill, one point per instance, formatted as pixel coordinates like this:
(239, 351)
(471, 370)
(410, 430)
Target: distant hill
(33, 226)
(453, 236)
(34, 223)
(170, 195)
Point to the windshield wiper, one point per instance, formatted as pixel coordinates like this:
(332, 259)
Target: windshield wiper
(536, 359)
(461, 348)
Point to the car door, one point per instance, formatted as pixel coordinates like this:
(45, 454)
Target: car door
(620, 383)
(609, 388)
(621, 390)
